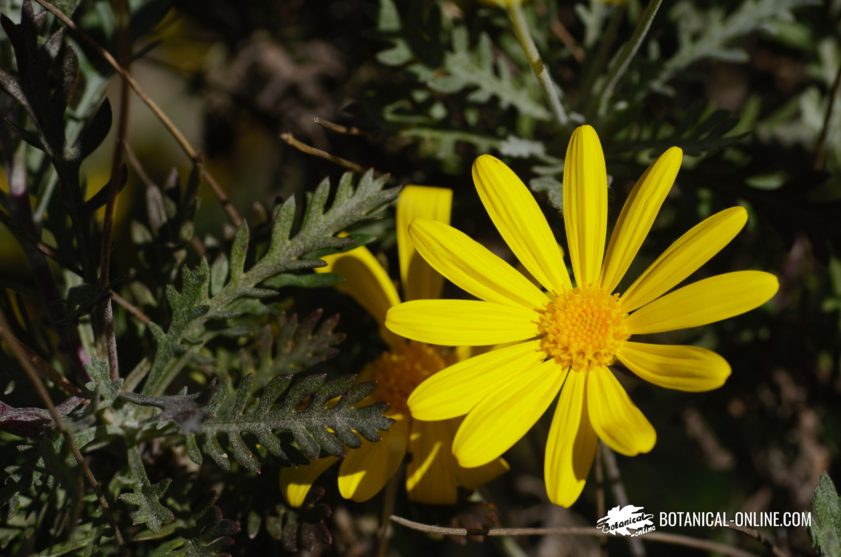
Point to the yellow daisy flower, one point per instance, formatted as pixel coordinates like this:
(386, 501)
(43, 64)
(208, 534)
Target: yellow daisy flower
(432, 474)
(563, 337)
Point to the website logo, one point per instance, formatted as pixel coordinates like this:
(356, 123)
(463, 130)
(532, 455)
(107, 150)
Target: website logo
(626, 520)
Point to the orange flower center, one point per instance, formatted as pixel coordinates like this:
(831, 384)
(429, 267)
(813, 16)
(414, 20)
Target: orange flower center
(398, 371)
(583, 328)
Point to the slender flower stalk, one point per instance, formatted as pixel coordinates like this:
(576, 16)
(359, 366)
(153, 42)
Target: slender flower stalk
(555, 339)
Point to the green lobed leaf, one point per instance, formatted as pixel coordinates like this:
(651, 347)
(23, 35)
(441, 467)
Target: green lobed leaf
(826, 523)
(319, 415)
(291, 253)
(145, 495)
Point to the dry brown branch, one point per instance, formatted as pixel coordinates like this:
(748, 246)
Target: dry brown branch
(337, 128)
(659, 537)
(296, 143)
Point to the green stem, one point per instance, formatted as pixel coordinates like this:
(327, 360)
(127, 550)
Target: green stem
(629, 50)
(598, 62)
(552, 91)
(820, 147)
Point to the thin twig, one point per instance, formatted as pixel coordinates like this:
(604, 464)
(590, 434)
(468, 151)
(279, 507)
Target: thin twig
(131, 308)
(629, 49)
(49, 372)
(24, 235)
(109, 339)
(601, 509)
(22, 358)
(618, 490)
(762, 538)
(338, 128)
(186, 146)
(820, 146)
(552, 92)
(292, 141)
(660, 537)
(560, 31)
(389, 499)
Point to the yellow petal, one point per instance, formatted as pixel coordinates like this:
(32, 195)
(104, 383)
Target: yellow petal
(295, 482)
(571, 445)
(503, 417)
(419, 280)
(365, 281)
(705, 301)
(474, 478)
(431, 474)
(455, 390)
(684, 368)
(364, 471)
(638, 216)
(521, 223)
(616, 420)
(685, 256)
(585, 204)
(472, 267)
(462, 322)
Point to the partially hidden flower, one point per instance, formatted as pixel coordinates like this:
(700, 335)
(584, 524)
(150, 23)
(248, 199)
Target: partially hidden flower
(563, 337)
(432, 474)
(503, 3)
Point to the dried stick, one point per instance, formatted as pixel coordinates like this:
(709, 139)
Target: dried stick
(762, 538)
(46, 370)
(292, 141)
(618, 489)
(389, 499)
(601, 508)
(20, 355)
(660, 537)
(186, 146)
(337, 128)
(131, 308)
(560, 31)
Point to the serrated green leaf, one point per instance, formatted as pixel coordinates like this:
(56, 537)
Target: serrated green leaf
(107, 389)
(320, 415)
(826, 522)
(145, 495)
(239, 250)
(289, 255)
